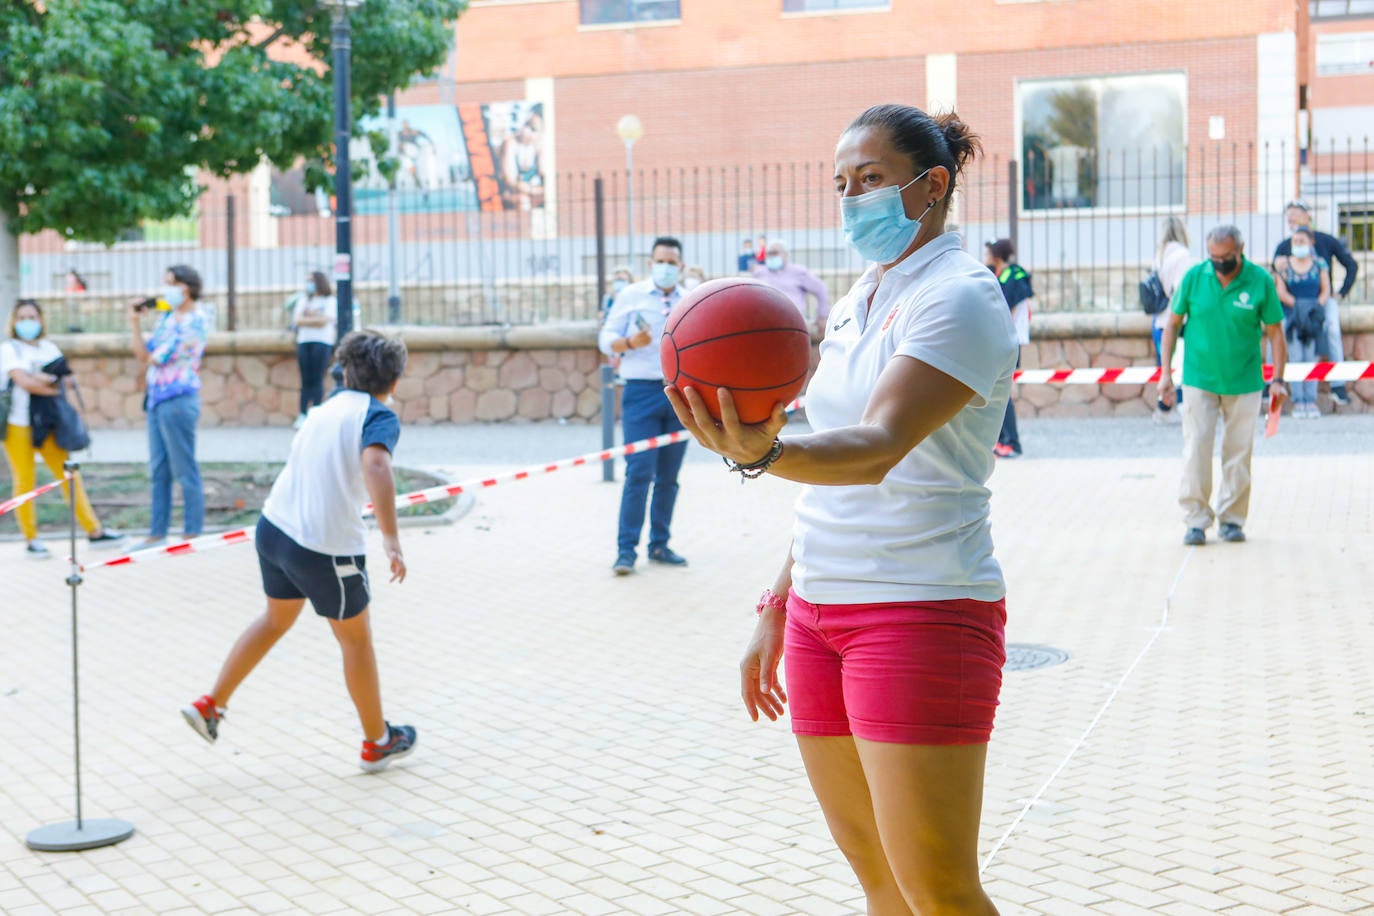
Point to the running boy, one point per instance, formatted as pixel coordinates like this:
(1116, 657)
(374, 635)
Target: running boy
(311, 541)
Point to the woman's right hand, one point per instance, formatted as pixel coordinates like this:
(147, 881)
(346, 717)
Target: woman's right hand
(758, 672)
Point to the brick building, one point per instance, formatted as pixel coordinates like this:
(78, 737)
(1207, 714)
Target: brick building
(1098, 117)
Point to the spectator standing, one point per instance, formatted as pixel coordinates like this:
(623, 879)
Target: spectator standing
(316, 319)
(746, 257)
(1230, 303)
(172, 354)
(24, 360)
(1172, 260)
(1019, 294)
(631, 331)
(796, 282)
(692, 277)
(1304, 285)
(621, 277)
(1333, 251)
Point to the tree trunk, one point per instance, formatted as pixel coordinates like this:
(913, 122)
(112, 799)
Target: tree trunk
(9, 266)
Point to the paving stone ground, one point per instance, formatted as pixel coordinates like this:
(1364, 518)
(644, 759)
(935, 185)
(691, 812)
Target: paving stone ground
(1207, 747)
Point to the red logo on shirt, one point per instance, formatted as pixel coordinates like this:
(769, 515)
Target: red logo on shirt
(890, 316)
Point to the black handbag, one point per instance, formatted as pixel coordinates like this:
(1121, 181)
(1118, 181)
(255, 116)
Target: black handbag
(1153, 299)
(69, 429)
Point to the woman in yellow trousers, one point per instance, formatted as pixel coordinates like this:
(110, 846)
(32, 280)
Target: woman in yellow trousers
(22, 357)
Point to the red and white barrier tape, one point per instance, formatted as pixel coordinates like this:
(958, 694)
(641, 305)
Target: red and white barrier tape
(418, 497)
(15, 502)
(1142, 375)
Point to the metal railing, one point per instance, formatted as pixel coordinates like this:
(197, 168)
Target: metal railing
(1086, 226)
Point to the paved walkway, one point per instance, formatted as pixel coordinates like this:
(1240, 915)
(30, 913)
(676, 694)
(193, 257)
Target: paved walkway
(1207, 747)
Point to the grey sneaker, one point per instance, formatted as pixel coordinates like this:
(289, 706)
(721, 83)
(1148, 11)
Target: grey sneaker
(1231, 533)
(1194, 537)
(37, 550)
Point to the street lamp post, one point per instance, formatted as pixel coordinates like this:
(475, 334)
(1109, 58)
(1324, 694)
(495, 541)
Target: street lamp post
(342, 43)
(629, 129)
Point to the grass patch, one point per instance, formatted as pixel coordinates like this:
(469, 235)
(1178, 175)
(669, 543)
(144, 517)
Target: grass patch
(234, 494)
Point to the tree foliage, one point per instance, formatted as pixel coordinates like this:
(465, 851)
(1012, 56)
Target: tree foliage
(109, 108)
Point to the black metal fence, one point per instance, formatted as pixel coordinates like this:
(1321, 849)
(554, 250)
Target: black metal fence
(1085, 224)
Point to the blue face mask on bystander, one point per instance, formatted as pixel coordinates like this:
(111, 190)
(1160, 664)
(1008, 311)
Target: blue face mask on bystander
(665, 275)
(28, 328)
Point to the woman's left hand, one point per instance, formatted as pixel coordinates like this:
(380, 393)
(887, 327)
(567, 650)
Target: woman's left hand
(741, 443)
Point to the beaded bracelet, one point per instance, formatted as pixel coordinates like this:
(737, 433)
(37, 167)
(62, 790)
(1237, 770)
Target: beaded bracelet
(772, 599)
(758, 468)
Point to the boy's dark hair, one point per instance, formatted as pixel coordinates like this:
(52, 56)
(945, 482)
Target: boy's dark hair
(371, 361)
(1002, 250)
(183, 273)
(667, 241)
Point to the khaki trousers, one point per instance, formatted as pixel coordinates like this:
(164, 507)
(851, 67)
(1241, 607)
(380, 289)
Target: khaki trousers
(1239, 415)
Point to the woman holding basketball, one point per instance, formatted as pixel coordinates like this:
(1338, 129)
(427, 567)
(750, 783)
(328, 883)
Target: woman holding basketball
(889, 610)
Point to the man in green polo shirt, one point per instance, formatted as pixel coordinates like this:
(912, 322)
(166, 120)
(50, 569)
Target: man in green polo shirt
(1230, 304)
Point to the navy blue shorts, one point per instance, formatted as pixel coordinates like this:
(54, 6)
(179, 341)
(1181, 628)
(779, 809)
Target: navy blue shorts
(336, 586)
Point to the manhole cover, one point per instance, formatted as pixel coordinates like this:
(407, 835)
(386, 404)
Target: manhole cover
(1022, 657)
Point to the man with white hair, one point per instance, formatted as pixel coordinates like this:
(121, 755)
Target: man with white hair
(795, 281)
(1230, 303)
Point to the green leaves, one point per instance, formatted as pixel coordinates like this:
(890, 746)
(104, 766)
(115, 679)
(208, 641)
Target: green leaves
(108, 107)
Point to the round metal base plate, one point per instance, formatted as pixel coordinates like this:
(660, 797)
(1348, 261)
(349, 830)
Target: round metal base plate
(68, 837)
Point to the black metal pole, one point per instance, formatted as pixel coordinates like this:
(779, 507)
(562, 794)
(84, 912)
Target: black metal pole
(1013, 202)
(231, 263)
(607, 374)
(342, 43)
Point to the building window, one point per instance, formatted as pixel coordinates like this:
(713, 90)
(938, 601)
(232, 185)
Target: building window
(1339, 9)
(831, 6)
(610, 12)
(1357, 226)
(1344, 55)
(1103, 142)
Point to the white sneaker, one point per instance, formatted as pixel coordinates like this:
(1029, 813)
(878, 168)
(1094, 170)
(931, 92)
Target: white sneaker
(37, 550)
(300, 421)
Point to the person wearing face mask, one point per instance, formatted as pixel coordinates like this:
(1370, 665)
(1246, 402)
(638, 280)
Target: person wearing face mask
(621, 277)
(889, 610)
(796, 282)
(1333, 251)
(316, 320)
(1304, 284)
(631, 332)
(22, 360)
(1230, 304)
(692, 277)
(172, 355)
(1017, 290)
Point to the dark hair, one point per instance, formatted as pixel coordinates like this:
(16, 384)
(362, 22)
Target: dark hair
(19, 304)
(1305, 230)
(667, 241)
(1002, 249)
(182, 273)
(321, 283)
(371, 361)
(926, 140)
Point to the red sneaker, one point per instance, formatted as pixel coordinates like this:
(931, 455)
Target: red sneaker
(399, 741)
(203, 716)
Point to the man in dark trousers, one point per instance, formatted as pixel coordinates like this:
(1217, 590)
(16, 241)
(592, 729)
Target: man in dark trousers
(1333, 251)
(1016, 287)
(631, 331)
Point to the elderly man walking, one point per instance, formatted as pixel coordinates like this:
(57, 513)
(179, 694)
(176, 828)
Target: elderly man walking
(1230, 304)
(795, 281)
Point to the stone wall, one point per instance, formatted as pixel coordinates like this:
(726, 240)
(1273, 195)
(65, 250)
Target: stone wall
(552, 371)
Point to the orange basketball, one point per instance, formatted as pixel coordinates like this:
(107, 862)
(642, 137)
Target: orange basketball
(737, 334)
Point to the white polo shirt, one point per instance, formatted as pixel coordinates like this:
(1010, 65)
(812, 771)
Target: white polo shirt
(923, 533)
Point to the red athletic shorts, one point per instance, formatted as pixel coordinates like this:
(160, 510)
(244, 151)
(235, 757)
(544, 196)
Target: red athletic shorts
(920, 673)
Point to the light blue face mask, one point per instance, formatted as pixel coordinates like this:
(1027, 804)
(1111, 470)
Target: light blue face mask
(876, 224)
(665, 275)
(1302, 251)
(618, 285)
(773, 262)
(173, 296)
(28, 328)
